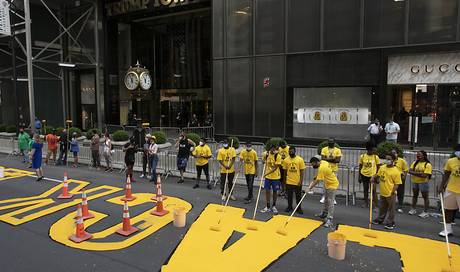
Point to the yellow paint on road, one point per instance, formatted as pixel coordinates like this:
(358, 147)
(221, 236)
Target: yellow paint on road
(148, 224)
(10, 173)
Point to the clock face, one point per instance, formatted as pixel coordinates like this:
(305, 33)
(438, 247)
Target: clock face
(146, 81)
(131, 81)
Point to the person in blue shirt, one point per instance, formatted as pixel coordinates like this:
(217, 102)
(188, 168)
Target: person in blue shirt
(38, 124)
(74, 148)
(36, 156)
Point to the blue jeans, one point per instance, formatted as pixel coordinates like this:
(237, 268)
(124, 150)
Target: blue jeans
(62, 160)
(154, 163)
(25, 154)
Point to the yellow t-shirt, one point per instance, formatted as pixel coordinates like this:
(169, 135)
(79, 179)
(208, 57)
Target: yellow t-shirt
(249, 158)
(453, 166)
(284, 152)
(334, 153)
(202, 151)
(293, 167)
(422, 168)
(271, 164)
(226, 156)
(401, 164)
(368, 164)
(326, 174)
(388, 177)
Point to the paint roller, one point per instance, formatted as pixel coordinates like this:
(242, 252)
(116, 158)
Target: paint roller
(251, 225)
(371, 234)
(225, 185)
(449, 254)
(282, 230)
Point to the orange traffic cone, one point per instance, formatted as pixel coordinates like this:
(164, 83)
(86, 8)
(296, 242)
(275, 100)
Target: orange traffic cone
(128, 192)
(80, 233)
(84, 207)
(127, 229)
(159, 190)
(65, 189)
(159, 211)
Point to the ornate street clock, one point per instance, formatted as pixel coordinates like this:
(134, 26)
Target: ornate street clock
(138, 81)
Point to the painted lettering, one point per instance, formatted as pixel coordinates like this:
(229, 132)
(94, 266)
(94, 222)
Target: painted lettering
(415, 69)
(444, 68)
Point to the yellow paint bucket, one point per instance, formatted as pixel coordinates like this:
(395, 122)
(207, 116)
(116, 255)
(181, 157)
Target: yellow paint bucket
(179, 215)
(336, 245)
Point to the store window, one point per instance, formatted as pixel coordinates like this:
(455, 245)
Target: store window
(384, 22)
(341, 24)
(304, 25)
(239, 27)
(269, 26)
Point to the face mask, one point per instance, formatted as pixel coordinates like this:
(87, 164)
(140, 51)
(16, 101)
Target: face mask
(181, 137)
(248, 148)
(457, 154)
(389, 163)
(330, 145)
(201, 143)
(225, 146)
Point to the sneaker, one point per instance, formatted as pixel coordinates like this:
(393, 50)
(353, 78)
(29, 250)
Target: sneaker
(321, 215)
(232, 197)
(449, 231)
(377, 222)
(412, 211)
(274, 210)
(247, 198)
(223, 197)
(207, 186)
(149, 176)
(328, 223)
(180, 181)
(196, 186)
(424, 215)
(249, 201)
(288, 209)
(400, 210)
(390, 226)
(335, 202)
(265, 210)
(299, 211)
(322, 200)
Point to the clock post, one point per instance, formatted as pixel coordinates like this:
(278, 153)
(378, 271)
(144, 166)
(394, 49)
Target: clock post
(138, 81)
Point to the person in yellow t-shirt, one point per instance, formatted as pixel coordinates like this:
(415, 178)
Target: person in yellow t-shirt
(283, 151)
(369, 164)
(249, 158)
(389, 179)
(272, 177)
(450, 186)
(294, 168)
(331, 184)
(420, 171)
(401, 164)
(202, 153)
(332, 155)
(226, 157)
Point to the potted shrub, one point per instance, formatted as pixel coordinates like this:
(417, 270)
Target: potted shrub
(236, 141)
(48, 129)
(11, 129)
(272, 141)
(194, 137)
(324, 144)
(160, 137)
(59, 131)
(90, 133)
(76, 130)
(120, 136)
(2, 128)
(385, 148)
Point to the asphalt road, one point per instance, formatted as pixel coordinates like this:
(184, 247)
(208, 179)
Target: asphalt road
(28, 247)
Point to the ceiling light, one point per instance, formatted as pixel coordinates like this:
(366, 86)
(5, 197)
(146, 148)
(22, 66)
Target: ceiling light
(64, 64)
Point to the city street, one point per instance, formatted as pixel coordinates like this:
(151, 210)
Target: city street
(27, 245)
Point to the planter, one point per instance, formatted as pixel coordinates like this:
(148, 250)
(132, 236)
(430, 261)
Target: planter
(165, 145)
(119, 143)
(8, 134)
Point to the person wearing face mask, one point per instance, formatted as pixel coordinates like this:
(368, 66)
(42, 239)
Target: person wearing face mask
(420, 172)
(401, 164)
(369, 164)
(226, 157)
(202, 153)
(283, 151)
(294, 168)
(184, 146)
(332, 155)
(389, 178)
(450, 187)
(272, 177)
(249, 158)
(331, 184)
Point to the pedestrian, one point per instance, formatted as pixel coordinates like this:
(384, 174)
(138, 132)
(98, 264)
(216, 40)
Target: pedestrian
(23, 144)
(184, 147)
(226, 157)
(331, 184)
(375, 130)
(139, 135)
(272, 177)
(145, 158)
(153, 155)
(369, 164)
(294, 168)
(95, 155)
(202, 153)
(130, 150)
(63, 147)
(107, 152)
(51, 140)
(37, 124)
(401, 164)
(420, 171)
(332, 155)
(194, 121)
(74, 148)
(36, 156)
(283, 151)
(450, 187)
(389, 178)
(392, 130)
(249, 159)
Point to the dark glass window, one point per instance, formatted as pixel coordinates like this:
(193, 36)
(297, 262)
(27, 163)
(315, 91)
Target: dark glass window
(238, 97)
(304, 25)
(269, 26)
(432, 21)
(218, 96)
(383, 22)
(218, 28)
(239, 27)
(269, 103)
(341, 24)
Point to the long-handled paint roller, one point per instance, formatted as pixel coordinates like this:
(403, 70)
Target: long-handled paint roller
(226, 182)
(217, 227)
(370, 234)
(251, 225)
(282, 230)
(449, 254)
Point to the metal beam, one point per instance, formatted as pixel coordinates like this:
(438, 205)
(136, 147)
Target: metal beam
(30, 74)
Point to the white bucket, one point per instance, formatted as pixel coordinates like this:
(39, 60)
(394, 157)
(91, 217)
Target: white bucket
(336, 245)
(2, 172)
(179, 217)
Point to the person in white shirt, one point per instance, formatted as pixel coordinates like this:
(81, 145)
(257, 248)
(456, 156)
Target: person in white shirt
(107, 152)
(392, 130)
(375, 129)
(153, 155)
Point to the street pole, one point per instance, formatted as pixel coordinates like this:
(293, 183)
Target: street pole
(15, 95)
(30, 74)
